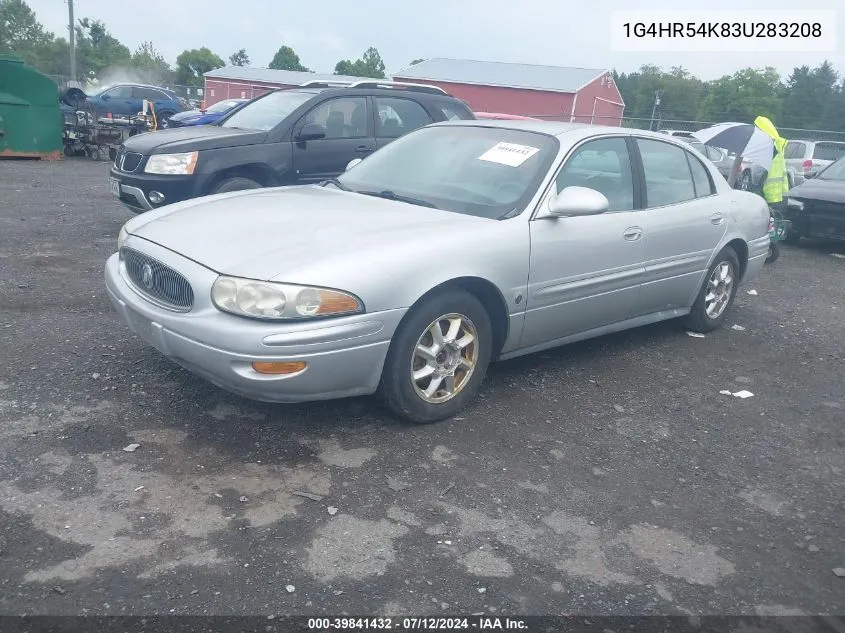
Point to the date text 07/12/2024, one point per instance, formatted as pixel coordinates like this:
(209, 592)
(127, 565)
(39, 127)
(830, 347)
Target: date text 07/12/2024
(481, 623)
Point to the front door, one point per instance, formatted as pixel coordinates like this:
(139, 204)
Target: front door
(683, 225)
(348, 124)
(585, 271)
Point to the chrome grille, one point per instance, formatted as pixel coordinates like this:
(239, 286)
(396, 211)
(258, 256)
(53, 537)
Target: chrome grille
(119, 157)
(159, 283)
(130, 161)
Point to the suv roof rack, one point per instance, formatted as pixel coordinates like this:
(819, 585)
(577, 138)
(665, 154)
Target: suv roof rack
(325, 83)
(377, 83)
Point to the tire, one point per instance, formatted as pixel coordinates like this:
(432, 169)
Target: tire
(401, 393)
(774, 252)
(236, 184)
(698, 320)
(162, 119)
(792, 237)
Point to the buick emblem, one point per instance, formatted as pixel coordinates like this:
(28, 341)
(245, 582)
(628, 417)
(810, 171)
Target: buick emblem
(147, 275)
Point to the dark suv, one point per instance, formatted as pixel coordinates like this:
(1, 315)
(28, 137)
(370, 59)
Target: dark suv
(289, 136)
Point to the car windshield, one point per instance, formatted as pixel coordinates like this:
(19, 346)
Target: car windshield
(834, 171)
(483, 171)
(223, 106)
(268, 111)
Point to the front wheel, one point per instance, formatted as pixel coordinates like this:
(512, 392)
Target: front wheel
(774, 252)
(236, 184)
(717, 295)
(438, 357)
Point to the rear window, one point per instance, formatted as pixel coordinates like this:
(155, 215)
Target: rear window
(829, 151)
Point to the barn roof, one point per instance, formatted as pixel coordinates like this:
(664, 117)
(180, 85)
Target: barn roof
(269, 75)
(501, 74)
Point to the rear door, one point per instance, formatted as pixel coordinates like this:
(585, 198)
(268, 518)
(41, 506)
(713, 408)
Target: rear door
(349, 127)
(396, 116)
(684, 222)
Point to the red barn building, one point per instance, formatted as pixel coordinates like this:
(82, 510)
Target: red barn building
(581, 95)
(242, 82)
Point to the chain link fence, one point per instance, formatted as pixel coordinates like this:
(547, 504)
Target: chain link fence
(692, 126)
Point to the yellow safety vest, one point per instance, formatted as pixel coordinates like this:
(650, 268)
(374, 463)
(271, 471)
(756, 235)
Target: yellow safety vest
(777, 181)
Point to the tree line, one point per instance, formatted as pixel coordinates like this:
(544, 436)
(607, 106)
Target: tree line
(812, 98)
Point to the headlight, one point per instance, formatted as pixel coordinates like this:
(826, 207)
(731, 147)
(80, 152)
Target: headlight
(795, 204)
(268, 300)
(121, 237)
(172, 164)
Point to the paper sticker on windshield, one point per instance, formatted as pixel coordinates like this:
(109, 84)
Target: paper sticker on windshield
(511, 154)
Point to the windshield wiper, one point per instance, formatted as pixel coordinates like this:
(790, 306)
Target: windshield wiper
(336, 183)
(392, 195)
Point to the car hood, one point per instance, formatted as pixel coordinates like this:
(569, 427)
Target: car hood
(189, 115)
(819, 189)
(282, 232)
(189, 139)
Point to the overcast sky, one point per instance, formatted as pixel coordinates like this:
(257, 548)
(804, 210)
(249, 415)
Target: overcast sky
(555, 32)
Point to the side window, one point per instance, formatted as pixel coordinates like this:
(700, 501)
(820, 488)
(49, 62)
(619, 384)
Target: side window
(399, 116)
(794, 150)
(603, 165)
(344, 117)
(454, 112)
(667, 174)
(149, 94)
(120, 92)
(700, 177)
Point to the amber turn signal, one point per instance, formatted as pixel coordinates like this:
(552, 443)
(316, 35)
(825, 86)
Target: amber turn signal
(335, 302)
(279, 368)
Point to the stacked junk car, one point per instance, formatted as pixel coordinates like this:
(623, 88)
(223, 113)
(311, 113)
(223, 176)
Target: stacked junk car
(88, 132)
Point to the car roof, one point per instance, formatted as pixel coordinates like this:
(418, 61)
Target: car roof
(137, 86)
(559, 128)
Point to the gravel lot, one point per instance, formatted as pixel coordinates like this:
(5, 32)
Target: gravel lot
(604, 477)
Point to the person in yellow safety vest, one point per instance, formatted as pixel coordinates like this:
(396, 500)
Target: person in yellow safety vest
(777, 181)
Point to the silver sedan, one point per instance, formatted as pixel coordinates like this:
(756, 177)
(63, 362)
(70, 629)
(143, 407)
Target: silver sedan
(458, 244)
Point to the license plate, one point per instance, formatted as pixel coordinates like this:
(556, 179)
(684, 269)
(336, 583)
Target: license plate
(114, 186)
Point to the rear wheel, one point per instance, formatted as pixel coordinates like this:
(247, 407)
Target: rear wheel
(774, 252)
(438, 357)
(792, 237)
(717, 295)
(236, 184)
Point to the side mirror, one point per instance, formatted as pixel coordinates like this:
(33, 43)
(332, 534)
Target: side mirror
(576, 201)
(352, 163)
(105, 97)
(311, 132)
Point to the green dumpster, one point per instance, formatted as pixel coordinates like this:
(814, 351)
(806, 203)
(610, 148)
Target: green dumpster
(30, 118)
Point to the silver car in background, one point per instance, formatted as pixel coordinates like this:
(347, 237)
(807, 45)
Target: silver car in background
(809, 157)
(458, 244)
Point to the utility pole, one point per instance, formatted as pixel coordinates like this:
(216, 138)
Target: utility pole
(653, 110)
(72, 39)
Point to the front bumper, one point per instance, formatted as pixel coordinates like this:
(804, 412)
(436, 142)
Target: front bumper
(818, 220)
(344, 356)
(134, 188)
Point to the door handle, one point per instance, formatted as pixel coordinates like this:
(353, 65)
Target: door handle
(363, 148)
(633, 233)
(717, 218)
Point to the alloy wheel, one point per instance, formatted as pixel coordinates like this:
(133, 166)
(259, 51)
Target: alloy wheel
(444, 358)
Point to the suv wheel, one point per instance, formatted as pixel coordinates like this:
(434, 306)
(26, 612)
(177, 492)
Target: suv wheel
(236, 184)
